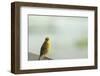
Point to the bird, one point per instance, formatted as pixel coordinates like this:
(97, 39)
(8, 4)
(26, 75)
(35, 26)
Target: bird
(45, 48)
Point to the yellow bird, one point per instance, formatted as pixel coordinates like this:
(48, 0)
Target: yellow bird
(45, 48)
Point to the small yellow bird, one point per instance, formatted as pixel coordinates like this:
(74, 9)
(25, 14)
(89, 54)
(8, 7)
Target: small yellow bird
(45, 48)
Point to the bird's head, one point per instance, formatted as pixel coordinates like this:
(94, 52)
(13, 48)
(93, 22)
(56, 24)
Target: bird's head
(47, 38)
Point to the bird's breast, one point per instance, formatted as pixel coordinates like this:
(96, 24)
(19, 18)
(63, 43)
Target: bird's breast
(48, 44)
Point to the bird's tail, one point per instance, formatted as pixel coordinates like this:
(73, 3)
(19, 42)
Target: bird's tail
(41, 57)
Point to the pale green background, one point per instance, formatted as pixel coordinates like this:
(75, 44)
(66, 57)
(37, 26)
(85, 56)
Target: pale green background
(68, 35)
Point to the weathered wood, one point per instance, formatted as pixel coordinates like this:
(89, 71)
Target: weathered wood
(32, 56)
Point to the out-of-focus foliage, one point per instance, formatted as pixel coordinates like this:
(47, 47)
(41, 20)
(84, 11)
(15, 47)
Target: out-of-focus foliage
(82, 42)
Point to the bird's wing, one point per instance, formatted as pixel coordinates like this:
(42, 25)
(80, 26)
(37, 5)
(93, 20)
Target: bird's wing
(43, 48)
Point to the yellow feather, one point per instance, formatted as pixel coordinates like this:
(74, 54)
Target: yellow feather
(49, 44)
(49, 47)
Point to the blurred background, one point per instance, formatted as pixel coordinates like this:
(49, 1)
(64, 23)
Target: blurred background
(68, 36)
